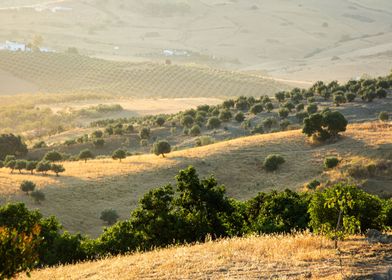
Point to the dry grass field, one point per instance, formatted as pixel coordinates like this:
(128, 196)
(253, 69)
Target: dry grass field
(299, 256)
(79, 195)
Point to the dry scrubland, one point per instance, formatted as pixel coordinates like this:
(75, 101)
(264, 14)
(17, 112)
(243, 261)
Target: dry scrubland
(299, 256)
(66, 73)
(338, 39)
(79, 195)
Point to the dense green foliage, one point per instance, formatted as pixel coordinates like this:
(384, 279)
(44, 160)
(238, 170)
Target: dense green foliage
(193, 210)
(331, 162)
(272, 162)
(161, 147)
(325, 125)
(119, 154)
(11, 145)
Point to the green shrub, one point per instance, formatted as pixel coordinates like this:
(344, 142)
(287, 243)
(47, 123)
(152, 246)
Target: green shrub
(269, 122)
(57, 168)
(300, 107)
(97, 134)
(187, 121)
(272, 162)
(358, 210)
(383, 116)
(39, 145)
(331, 162)
(18, 251)
(312, 108)
(269, 106)
(161, 147)
(313, 185)
(38, 196)
(160, 121)
(195, 130)
(283, 113)
(325, 125)
(11, 145)
(258, 129)
(144, 133)
(239, 117)
(109, 216)
(350, 96)
(213, 123)
(277, 212)
(98, 143)
(31, 166)
(10, 164)
(20, 164)
(225, 115)
(43, 166)
(119, 154)
(257, 108)
(284, 124)
(27, 186)
(85, 155)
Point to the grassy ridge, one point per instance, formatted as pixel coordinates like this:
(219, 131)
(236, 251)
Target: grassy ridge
(57, 72)
(300, 256)
(90, 187)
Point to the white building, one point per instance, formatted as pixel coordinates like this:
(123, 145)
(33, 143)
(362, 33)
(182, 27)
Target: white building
(15, 46)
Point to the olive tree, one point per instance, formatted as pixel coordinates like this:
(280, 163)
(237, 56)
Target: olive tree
(325, 125)
(85, 155)
(119, 154)
(161, 147)
(27, 186)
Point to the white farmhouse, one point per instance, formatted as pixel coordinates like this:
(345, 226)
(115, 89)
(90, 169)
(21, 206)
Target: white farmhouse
(15, 46)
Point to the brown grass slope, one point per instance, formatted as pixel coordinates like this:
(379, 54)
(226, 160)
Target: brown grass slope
(300, 256)
(79, 195)
(57, 72)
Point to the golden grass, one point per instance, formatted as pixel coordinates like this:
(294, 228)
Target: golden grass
(79, 195)
(299, 256)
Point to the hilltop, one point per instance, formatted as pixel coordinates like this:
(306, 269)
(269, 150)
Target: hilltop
(301, 256)
(85, 189)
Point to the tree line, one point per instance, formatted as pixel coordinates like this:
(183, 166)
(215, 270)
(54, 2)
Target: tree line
(188, 212)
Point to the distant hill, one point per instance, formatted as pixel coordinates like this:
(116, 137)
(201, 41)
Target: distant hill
(59, 73)
(305, 40)
(300, 256)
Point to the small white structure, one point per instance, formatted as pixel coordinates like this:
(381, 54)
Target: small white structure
(15, 46)
(175, 53)
(168, 52)
(60, 9)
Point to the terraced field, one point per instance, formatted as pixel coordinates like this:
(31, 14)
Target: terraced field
(58, 72)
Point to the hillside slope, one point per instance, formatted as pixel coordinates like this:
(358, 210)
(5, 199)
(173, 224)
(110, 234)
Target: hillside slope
(302, 40)
(56, 72)
(266, 257)
(79, 195)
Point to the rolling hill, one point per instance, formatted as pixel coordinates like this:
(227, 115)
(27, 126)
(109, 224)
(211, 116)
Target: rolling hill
(300, 256)
(79, 195)
(67, 73)
(300, 40)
